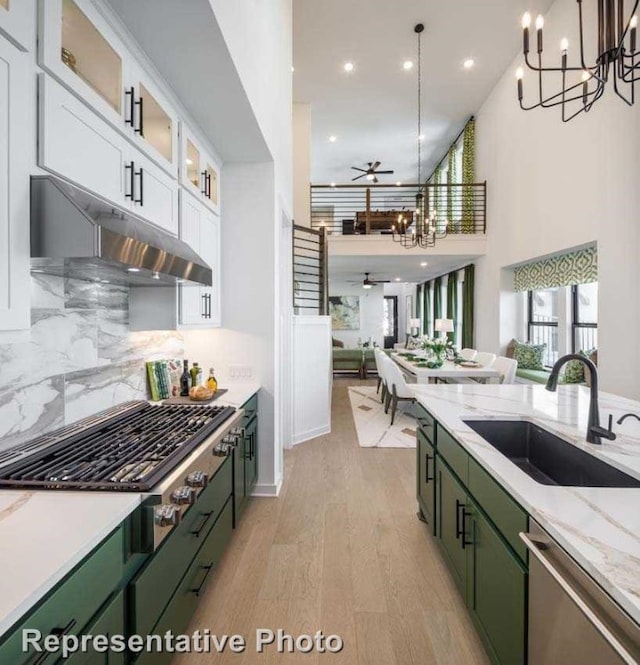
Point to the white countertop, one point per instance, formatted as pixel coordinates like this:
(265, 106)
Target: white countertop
(598, 527)
(44, 534)
(238, 394)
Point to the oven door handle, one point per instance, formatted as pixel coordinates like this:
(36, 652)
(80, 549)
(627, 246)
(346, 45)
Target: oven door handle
(207, 517)
(207, 570)
(536, 547)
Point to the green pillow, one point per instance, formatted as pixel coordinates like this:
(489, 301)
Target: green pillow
(530, 356)
(574, 372)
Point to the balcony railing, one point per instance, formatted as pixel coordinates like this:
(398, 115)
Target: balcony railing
(374, 209)
(310, 276)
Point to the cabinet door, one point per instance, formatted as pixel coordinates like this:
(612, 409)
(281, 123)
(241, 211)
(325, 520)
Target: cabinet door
(496, 592)
(191, 301)
(239, 490)
(199, 171)
(15, 141)
(151, 120)
(76, 144)
(426, 463)
(78, 47)
(155, 193)
(210, 252)
(18, 22)
(451, 506)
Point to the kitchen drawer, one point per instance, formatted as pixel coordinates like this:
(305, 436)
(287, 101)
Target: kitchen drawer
(250, 409)
(453, 453)
(75, 601)
(109, 622)
(155, 584)
(426, 422)
(503, 511)
(178, 613)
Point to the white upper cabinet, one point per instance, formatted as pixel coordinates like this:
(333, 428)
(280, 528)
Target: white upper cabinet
(80, 50)
(199, 306)
(16, 102)
(151, 120)
(83, 52)
(18, 22)
(199, 172)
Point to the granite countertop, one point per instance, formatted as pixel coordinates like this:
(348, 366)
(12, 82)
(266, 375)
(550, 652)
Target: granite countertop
(598, 527)
(44, 534)
(238, 393)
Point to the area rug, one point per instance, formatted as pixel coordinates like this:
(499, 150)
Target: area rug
(373, 425)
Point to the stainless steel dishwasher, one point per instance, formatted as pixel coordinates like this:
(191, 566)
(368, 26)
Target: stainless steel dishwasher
(571, 619)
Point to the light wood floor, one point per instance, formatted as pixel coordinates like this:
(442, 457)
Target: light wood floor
(340, 551)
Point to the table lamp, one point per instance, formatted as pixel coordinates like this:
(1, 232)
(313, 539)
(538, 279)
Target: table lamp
(443, 326)
(414, 324)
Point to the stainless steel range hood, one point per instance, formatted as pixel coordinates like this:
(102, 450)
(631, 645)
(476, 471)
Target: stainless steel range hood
(77, 234)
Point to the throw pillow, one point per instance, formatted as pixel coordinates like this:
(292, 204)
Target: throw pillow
(574, 371)
(530, 356)
(593, 357)
(511, 348)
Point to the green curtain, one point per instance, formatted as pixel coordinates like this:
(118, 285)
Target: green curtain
(437, 197)
(452, 192)
(419, 310)
(427, 309)
(452, 303)
(468, 176)
(467, 308)
(437, 298)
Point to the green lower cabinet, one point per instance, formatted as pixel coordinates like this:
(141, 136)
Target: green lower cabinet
(251, 455)
(496, 592)
(239, 487)
(451, 504)
(426, 490)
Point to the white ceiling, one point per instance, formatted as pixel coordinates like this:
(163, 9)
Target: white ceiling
(373, 110)
(407, 268)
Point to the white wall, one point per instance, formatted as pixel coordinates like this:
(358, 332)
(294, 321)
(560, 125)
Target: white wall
(371, 313)
(302, 164)
(554, 186)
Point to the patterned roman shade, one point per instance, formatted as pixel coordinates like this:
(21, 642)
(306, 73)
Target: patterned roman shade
(580, 267)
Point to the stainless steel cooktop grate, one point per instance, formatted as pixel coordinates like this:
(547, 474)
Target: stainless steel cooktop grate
(129, 448)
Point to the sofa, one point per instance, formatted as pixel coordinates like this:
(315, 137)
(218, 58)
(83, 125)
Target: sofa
(348, 361)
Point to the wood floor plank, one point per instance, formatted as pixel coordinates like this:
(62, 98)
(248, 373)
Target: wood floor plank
(341, 551)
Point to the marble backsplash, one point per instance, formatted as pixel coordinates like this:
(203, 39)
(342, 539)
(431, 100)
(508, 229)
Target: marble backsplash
(80, 358)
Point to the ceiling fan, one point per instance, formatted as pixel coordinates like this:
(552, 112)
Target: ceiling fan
(368, 283)
(369, 173)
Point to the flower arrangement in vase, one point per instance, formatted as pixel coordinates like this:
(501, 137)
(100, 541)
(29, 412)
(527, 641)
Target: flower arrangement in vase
(438, 348)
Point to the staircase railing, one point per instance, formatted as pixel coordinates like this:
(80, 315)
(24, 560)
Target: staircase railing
(374, 208)
(310, 275)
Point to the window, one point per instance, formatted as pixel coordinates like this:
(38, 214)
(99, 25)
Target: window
(585, 317)
(543, 322)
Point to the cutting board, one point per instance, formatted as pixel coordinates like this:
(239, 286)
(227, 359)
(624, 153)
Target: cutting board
(193, 402)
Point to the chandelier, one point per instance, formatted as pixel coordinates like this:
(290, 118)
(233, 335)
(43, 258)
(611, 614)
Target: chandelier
(584, 84)
(423, 230)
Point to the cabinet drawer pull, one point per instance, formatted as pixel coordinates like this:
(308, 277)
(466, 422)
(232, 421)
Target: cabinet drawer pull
(427, 457)
(463, 533)
(129, 94)
(130, 168)
(203, 309)
(204, 180)
(140, 174)
(207, 517)
(208, 185)
(140, 128)
(207, 570)
(58, 632)
(459, 528)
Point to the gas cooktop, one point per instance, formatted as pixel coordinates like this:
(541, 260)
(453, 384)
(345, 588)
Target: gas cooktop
(128, 448)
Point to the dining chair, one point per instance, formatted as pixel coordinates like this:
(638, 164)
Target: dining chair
(382, 359)
(507, 368)
(376, 357)
(397, 388)
(485, 359)
(468, 354)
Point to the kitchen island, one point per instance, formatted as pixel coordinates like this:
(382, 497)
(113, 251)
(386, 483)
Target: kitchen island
(599, 527)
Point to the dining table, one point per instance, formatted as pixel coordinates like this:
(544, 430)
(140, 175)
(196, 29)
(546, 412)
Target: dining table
(448, 370)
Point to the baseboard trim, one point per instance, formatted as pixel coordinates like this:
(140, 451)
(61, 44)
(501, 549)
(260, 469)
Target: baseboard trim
(267, 490)
(311, 434)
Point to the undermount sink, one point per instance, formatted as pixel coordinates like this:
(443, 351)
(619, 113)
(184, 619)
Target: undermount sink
(546, 458)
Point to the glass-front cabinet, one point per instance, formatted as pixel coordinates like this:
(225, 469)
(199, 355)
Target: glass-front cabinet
(80, 49)
(17, 21)
(199, 171)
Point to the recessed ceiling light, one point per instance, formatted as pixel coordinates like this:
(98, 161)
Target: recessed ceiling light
(398, 184)
(468, 63)
(407, 65)
(424, 264)
(421, 137)
(333, 184)
(332, 139)
(397, 279)
(348, 67)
